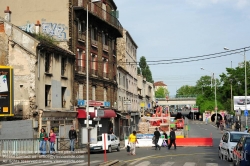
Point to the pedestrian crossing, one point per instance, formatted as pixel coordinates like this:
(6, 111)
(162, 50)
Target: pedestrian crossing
(169, 163)
(55, 163)
(96, 162)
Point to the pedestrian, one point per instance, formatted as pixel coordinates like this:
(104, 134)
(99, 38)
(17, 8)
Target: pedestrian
(237, 126)
(73, 138)
(221, 127)
(217, 124)
(132, 141)
(157, 135)
(206, 120)
(246, 131)
(42, 141)
(52, 140)
(172, 139)
(110, 131)
(165, 140)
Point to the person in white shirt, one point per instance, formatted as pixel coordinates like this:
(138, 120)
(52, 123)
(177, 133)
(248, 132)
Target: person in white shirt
(246, 131)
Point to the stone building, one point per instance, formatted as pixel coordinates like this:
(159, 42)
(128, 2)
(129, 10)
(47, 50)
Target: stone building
(127, 96)
(146, 95)
(66, 21)
(43, 74)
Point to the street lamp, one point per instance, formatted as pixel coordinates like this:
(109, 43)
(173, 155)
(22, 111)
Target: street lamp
(225, 48)
(215, 100)
(87, 76)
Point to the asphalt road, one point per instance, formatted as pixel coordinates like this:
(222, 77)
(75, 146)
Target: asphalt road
(148, 156)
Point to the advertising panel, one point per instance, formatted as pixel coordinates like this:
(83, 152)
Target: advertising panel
(6, 91)
(239, 103)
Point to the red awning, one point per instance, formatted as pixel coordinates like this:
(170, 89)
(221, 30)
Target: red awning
(107, 114)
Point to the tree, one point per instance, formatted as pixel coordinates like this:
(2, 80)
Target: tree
(145, 70)
(138, 70)
(161, 92)
(186, 90)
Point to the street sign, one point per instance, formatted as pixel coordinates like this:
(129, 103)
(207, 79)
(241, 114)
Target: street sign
(238, 112)
(99, 113)
(246, 112)
(126, 102)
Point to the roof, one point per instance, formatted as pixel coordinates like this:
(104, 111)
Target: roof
(159, 83)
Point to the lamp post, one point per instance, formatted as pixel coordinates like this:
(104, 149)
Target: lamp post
(215, 100)
(245, 64)
(87, 76)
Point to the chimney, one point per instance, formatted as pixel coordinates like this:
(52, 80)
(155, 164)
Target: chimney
(37, 27)
(7, 14)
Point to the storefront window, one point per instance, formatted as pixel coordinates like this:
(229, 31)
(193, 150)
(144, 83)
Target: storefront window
(55, 126)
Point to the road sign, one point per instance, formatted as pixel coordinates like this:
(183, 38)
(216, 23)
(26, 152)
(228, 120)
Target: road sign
(246, 112)
(126, 102)
(238, 112)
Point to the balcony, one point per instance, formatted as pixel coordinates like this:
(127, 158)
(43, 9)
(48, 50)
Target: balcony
(94, 72)
(80, 69)
(81, 36)
(94, 43)
(105, 48)
(105, 75)
(97, 11)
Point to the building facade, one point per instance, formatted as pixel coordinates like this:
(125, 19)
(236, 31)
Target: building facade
(146, 95)
(127, 97)
(68, 25)
(43, 74)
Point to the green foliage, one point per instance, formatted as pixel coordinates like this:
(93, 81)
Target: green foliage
(145, 70)
(186, 90)
(161, 92)
(45, 38)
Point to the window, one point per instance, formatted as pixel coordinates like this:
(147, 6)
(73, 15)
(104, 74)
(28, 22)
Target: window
(93, 92)
(81, 60)
(63, 97)
(81, 26)
(94, 35)
(48, 63)
(105, 39)
(94, 62)
(47, 95)
(63, 66)
(105, 94)
(80, 91)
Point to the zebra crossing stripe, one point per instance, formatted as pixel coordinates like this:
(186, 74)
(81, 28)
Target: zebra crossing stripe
(190, 164)
(212, 164)
(167, 164)
(144, 163)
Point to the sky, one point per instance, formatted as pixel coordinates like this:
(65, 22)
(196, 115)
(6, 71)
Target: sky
(170, 29)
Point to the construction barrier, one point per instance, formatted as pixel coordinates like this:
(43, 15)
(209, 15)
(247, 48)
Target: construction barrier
(194, 141)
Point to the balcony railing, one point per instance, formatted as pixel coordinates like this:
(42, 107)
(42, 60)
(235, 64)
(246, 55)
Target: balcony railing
(94, 72)
(102, 14)
(105, 75)
(80, 69)
(94, 42)
(105, 47)
(81, 36)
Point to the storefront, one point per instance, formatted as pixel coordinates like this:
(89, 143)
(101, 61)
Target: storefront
(60, 121)
(121, 121)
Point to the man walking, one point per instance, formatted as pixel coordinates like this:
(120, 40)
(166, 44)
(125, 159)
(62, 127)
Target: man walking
(132, 140)
(172, 139)
(73, 138)
(157, 135)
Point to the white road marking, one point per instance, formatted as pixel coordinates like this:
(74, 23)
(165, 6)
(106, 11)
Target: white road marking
(144, 163)
(190, 164)
(167, 164)
(211, 164)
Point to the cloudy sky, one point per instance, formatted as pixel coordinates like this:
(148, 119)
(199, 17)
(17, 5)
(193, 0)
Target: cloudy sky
(170, 29)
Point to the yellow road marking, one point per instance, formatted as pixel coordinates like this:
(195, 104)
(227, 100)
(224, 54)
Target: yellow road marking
(170, 155)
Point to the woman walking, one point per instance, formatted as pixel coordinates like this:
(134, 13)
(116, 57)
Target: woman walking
(42, 140)
(52, 139)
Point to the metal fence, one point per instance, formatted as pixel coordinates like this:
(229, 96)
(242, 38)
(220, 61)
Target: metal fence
(20, 147)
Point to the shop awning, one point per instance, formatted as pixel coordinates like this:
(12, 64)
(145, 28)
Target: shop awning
(107, 114)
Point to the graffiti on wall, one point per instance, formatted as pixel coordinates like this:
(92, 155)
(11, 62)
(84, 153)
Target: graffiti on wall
(56, 30)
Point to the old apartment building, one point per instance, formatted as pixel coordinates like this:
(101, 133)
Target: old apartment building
(42, 77)
(127, 97)
(66, 21)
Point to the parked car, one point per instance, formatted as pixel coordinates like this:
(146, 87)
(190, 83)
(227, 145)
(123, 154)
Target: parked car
(241, 152)
(112, 142)
(228, 142)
